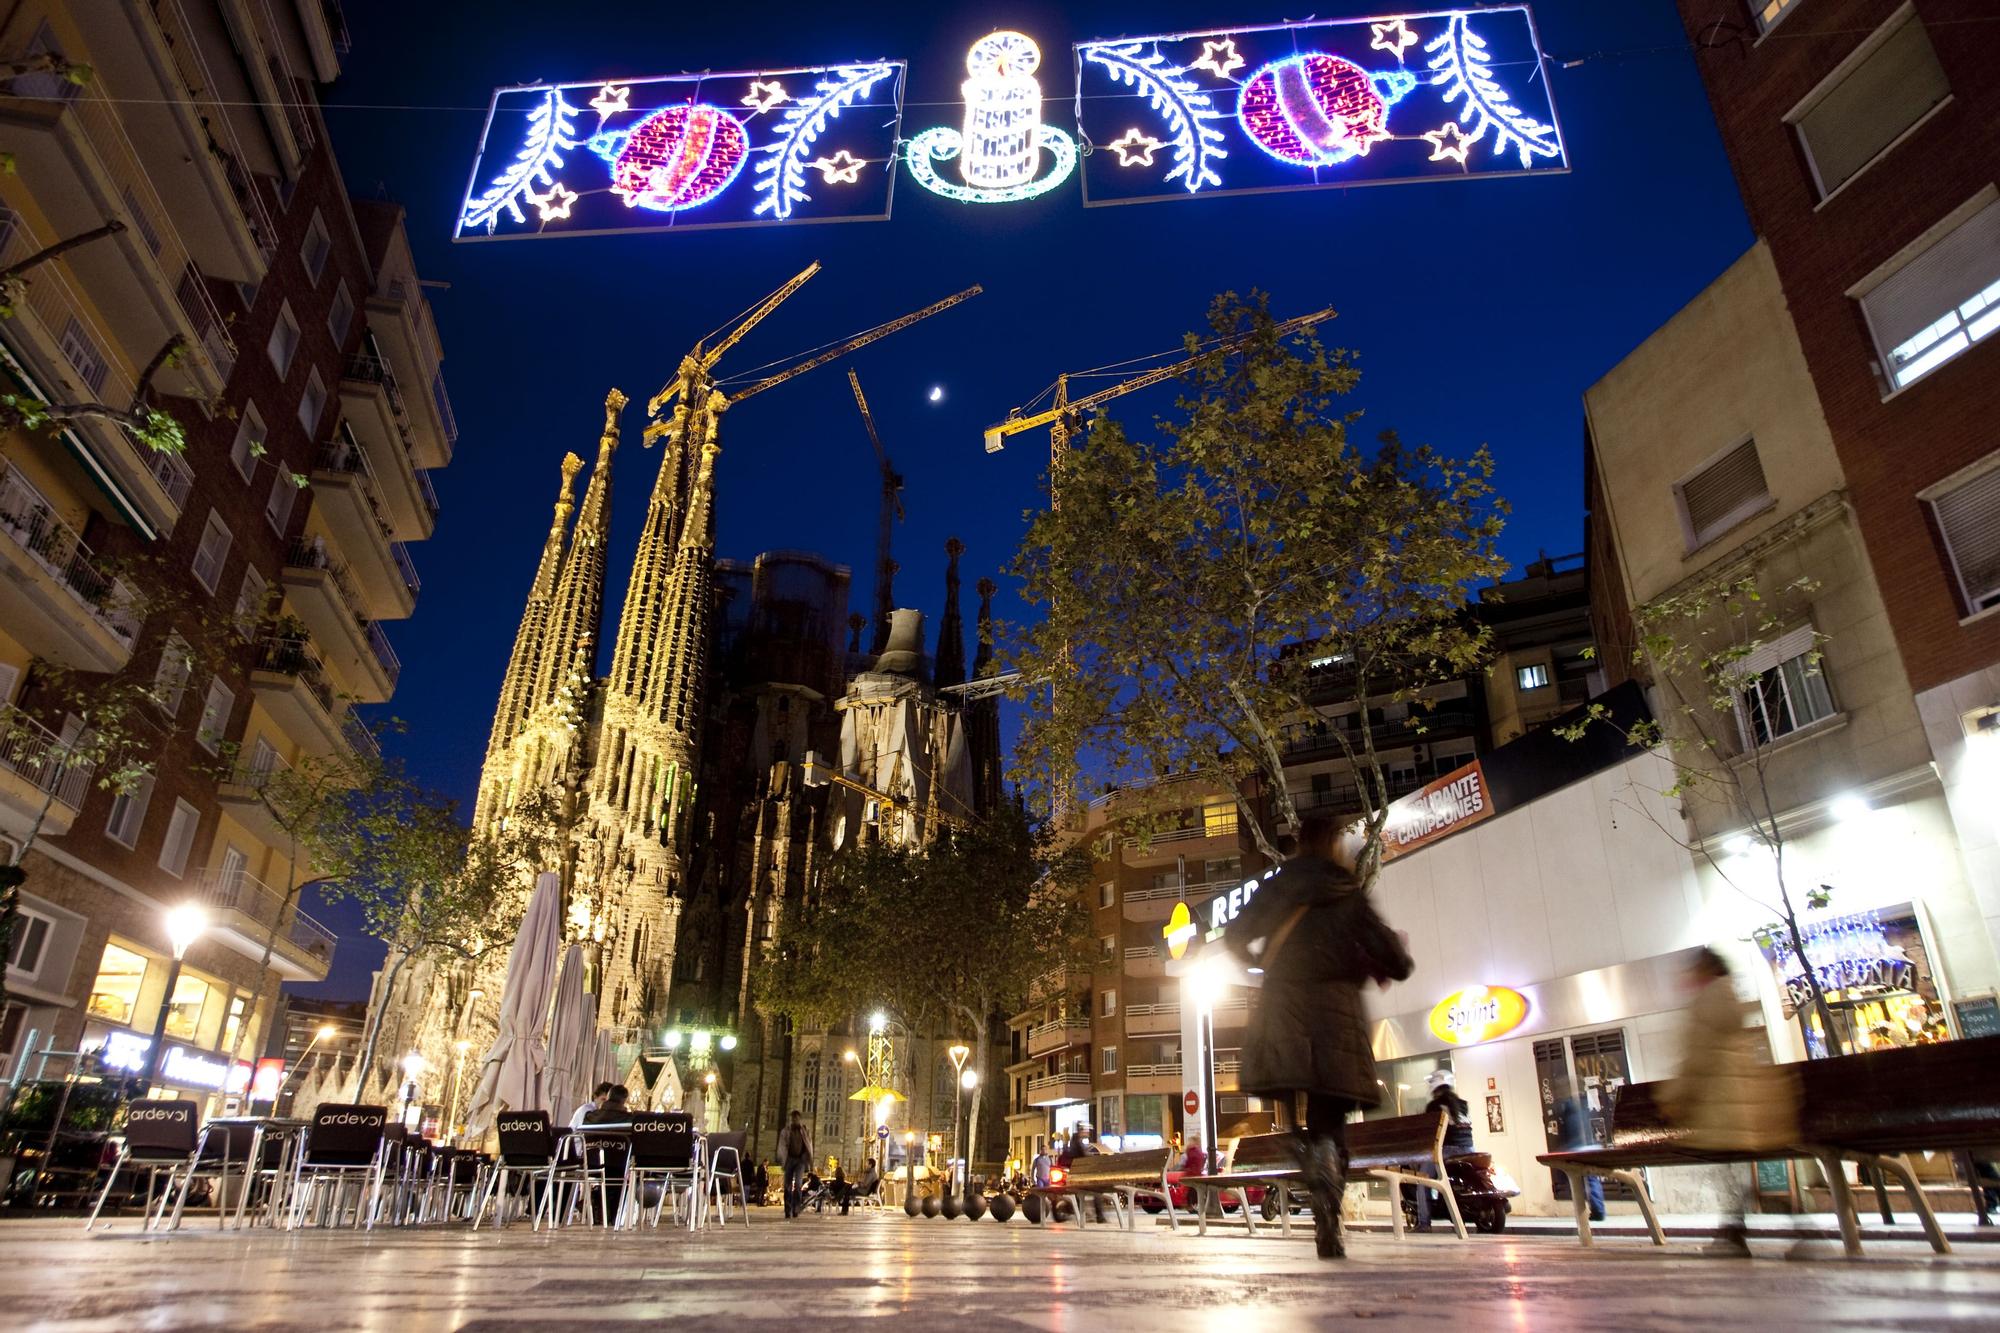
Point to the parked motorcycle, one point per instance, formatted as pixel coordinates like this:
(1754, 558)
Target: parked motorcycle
(1483, 1192)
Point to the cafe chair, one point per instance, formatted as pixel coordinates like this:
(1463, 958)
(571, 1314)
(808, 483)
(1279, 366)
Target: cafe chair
(664, 1151)
(345, 1145)
(223, 1151)
(533, 1161)
(159, 1136)
(725, 1167)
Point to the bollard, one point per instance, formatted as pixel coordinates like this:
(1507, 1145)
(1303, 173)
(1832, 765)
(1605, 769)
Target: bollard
(1002, 1207)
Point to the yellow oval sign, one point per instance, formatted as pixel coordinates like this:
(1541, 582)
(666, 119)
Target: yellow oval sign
(1179, 930)
(1478, 1013)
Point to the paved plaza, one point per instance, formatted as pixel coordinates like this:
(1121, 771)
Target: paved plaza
(821, 1272)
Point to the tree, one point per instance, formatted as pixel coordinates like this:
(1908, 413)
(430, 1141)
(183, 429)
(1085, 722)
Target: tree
(426, 886)
(1206, 587)
(1700, 648)
(946, 937)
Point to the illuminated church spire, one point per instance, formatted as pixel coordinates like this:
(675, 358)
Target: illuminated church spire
(524, 666)
(577, 610)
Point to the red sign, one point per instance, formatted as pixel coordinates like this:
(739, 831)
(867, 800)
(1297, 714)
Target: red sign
(268, 1079)
(1191, 1103)
(1452, 802)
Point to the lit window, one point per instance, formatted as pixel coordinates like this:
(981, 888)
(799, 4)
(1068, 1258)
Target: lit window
(128, 812)
(317, 248)
(1531, 677)
(213, 551)
(1786, 689)
(1940, 300)
(115, 993)
(1968, 521)
(1723, 493)
(1863, 108)
(239, 1009)
(1218, 819)
(284, 341)
(179, 841)
(1768, 12)
(184, 1010)
(249, 441)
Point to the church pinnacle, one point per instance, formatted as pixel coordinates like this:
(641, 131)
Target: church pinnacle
(517, 688)
(577, 608)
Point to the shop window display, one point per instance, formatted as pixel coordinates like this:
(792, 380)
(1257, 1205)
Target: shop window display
(1876, 972)
(184, 1011)
(115, 993)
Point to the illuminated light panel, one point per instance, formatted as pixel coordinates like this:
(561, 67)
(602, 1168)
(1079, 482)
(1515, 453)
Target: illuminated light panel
(1220, 58)
(1318, 110)
(781, 171)
(677, 158)
(551, 133)
(1136, 149)
(764, 95)
(1462, 66)
(999, 150)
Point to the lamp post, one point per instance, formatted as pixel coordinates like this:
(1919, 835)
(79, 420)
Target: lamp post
(184, 926)
(326, 1032)
(967, 1081)
(958, 1051)
(413, 1067)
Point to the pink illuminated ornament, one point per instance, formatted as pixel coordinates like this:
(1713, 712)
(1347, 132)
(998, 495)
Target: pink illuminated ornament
(677, 158)
(1317, 110)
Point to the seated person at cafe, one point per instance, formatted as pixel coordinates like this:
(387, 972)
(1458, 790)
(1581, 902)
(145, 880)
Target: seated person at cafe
(608, 1153)
(583, 1109)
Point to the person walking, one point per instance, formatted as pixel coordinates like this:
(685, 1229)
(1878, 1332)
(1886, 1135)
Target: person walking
(798, 1151)
(1728, 1095)
(1318, 938)
(1038, 1172)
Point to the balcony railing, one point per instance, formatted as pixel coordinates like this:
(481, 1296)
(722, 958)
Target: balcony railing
(242, 892)
(1441, 722)
(429, 493)
(378, 641)
(445, 416)
(38, 756)
(296, 658)
(305, 553)
(360, 737)
(1145, 953)
(406, 567)
(374, 370)
(32, 522)
(189, 62)
(1172, 1070)
(176, 478)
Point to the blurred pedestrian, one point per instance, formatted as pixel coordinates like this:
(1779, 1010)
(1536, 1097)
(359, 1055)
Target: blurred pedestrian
(1457, 1136)
(798, 1151)
(1318, 939)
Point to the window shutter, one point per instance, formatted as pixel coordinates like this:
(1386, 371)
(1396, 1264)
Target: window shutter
(1970, 520)
(1878, 99)
(1781, 649)
(1964, 261)
(1719, 495)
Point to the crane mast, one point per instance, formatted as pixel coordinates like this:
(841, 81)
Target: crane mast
(892, 511)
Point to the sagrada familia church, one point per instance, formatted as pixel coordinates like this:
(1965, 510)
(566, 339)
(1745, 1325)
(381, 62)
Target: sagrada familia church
(680, 778)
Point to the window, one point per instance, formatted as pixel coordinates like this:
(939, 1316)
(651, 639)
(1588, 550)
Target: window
(1788, 692)
(1531, 677)
(184, 1010)
(128, 812)
(1107, 1116)
(317, 248)
(31, 941)
(263, 758)
(1724, 492)
(170, 681)
(249, 441)
(1107, 1003)
(1217, 869)
(214, 549)
(1218, 819)
(284, 340)
(1876, 95)
(278, 505)
(252, 602)
(1107, 947)
(83, 355)
(1107, 1060)
(312, 404)
(1107, 894)
(1968, 519)
(1940, 296)
(147, 231)
(340, 315)
(239, 1010)
(10, 677)
(1768, 12)
(115, 993)
(215, 711)
(179, 841)
(47, 85)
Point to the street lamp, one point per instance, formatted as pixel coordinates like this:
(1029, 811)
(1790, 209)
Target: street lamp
(968, 1079)
(958, 1052)
(184, 926)
(326, 1032)
(413, 1067)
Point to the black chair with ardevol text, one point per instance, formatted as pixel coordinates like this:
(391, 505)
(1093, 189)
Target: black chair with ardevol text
(544, 1164)
(159, 1136)
(664, 1150)
(343, 1147)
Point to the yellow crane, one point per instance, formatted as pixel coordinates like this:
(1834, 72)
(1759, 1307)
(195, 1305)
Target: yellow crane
(892, 513)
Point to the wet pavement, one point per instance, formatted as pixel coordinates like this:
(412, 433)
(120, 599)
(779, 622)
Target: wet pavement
(836, 1271)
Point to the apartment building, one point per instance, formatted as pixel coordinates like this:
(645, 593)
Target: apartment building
(308, 352)
(1544, 655)
(1865, 138)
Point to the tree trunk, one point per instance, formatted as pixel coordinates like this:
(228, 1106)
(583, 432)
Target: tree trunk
(43, 256)
(1820, 1006)
(270, 943)
(367, 1060)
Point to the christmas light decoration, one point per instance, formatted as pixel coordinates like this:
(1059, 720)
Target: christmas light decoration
(1464, 70)
(765, 94)
(1220, 58)
(781, 171)
(551, 133)
(677, 158)
(555, 204)
(1136, 149)
(843, 168)
(1393, 36)
(999, 150)
(1318, 110)
(1187, 110)
(1448, 143)
(610, 101)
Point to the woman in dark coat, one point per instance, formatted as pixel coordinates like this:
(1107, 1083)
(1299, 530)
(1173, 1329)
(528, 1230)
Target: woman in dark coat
(1317, 937)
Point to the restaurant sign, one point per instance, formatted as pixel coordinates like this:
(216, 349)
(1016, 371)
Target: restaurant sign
(1476, 1014)
(181, 1066)
(1455, 801)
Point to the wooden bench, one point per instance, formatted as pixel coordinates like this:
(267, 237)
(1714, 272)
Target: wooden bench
(1396, 1150)
(1873, 1109)
(1126, 1177)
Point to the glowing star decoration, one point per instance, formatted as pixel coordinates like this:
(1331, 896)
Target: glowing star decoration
(1393, 36)
(765, 94)
(610, 101)
(1189, 112)
(843, 168)
(555, 204)
(1319, 110)
(1136, 149)
(676, 158)
(781, 167)
(1463, 67)
(1000, 148)
(1448, 143)
(1220, 58)
(551, 133)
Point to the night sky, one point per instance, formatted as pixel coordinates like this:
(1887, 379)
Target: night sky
(1481, 309)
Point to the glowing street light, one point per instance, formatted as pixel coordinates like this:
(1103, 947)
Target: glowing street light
(413, 1068)
(185, 925)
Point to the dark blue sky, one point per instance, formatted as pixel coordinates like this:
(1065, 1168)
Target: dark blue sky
(1481, 309)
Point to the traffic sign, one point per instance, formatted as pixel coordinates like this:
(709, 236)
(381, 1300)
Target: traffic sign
(881, 1131)
(1192, 1102)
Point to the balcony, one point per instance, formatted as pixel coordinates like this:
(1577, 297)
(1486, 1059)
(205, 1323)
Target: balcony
(1152, 1020)
(1228, 1070)
(371, 404)
(246, 914)
(345, 499)
(292, 686)
(56, 599)
(400, 319)
(1153, 1078)
(1322, 740)
(37, 779)
(1060, 1089)
(1203, 838)
(1144, 961)
(241, 795)
(325, 597)
(56, 342)
(1057, 1035)
(74, 155)
(1056, 983)
(397, 495)
(1152, 905)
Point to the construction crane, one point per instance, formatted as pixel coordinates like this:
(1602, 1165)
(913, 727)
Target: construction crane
(892, 514)
(1061, 416)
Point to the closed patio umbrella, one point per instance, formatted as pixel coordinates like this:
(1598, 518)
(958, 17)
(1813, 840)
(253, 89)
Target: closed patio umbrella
(572, 1041)
(510, 1074)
